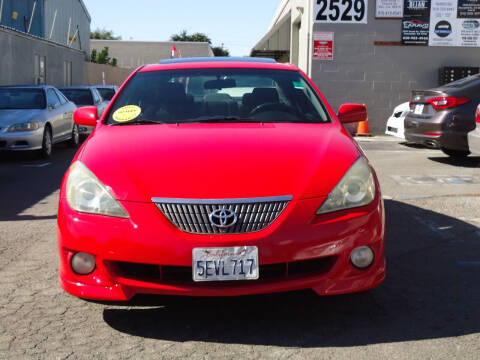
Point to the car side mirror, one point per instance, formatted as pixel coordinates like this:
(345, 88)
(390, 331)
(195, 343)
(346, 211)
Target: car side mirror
(350, 113)
(86, 116)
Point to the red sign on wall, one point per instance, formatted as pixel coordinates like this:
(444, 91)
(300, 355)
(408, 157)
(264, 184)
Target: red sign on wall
(323, 45)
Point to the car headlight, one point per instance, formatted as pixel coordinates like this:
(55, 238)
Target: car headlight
(357, 188)
(28, 126)
(85, 193)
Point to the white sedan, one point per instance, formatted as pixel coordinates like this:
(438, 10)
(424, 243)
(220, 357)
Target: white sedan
(474, 136)
(395, 123)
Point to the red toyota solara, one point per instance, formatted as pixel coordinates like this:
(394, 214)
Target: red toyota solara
(219, 177)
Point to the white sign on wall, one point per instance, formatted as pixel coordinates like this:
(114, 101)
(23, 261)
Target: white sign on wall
(389, 9)
(447, 28)
(340, 11)
(443, 19)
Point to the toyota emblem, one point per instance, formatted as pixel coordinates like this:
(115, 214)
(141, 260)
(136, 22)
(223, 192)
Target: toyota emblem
(223, 218)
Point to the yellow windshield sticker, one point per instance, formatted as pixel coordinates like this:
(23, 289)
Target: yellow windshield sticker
(127, 113)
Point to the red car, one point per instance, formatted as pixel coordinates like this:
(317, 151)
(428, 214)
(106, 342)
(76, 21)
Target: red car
(219, 177)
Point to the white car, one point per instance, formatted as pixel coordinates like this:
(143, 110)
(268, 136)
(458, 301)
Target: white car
(395, 123)
(474, 136)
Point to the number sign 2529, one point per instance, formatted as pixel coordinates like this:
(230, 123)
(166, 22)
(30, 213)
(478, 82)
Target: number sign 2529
(341, 11)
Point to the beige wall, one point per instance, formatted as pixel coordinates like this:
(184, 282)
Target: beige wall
(132, 54)
(93, 74)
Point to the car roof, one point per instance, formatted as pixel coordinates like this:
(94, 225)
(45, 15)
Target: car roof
(217, 59)
(26, 86)
(218, 62)
(105, 86)
(79, 87)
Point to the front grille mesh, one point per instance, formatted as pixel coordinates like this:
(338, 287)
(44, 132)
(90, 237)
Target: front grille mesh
(193, 217)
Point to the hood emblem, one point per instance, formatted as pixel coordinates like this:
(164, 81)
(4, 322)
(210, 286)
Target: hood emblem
(223, 218)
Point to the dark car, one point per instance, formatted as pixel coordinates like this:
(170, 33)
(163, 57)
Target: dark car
(442, 117)
(107, 91)
(85, 96)
(35, 118)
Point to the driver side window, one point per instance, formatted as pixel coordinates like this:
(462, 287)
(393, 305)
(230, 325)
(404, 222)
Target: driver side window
(52, 99)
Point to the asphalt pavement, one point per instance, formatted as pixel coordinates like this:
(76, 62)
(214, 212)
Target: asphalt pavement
(427, 308)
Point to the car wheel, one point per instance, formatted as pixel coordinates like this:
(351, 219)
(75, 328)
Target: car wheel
(46, 150)
(456, 153)
(75, 139)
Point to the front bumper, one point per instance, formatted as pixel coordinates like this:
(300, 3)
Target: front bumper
(474, 141)
(395, 127)
(85, 130)
(296, 237)
(25, 140)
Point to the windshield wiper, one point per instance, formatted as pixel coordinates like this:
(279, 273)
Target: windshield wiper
(138, 122)
(226, 119)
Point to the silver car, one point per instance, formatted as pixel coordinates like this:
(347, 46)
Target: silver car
(35, 118)
(474, 136)
(85, 96)
(107, 92)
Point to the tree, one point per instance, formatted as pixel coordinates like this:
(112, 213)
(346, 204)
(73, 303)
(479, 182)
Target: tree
(102, 57)
(197, 37)
(102, 34)
(220, 51)
(93, 56)
(200, 37)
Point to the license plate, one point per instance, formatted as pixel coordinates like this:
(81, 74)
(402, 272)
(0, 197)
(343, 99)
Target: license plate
(223, 264)
(418, 109)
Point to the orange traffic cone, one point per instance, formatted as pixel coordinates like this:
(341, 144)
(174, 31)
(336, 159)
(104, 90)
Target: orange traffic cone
(363, 129)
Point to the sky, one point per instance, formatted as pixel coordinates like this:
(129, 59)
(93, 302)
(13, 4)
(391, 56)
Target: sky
(237, 24)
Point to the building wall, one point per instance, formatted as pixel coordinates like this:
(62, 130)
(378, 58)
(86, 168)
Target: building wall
(17, 60)
(381, 76)
(17, 14)
(94, 74)
(132, 54)
(70, 16)
(55, 20)
(291, 30)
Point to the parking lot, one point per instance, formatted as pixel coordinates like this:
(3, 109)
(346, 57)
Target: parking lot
(428, 306)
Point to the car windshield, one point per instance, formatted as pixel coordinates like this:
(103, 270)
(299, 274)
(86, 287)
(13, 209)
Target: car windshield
(81, 97)
(107, 94)
(22, 99)
(217, 95)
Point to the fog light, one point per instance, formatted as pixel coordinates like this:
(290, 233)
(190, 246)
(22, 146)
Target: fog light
(83, 263)
(362, 257)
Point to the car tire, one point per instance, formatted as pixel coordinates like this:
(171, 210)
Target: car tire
(456, 153)
(47, 144)
(75, 139)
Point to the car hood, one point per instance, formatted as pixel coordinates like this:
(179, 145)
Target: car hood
(219, 161)
(15, 116)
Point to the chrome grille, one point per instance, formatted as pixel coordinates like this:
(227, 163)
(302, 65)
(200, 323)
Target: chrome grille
(192, 215)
